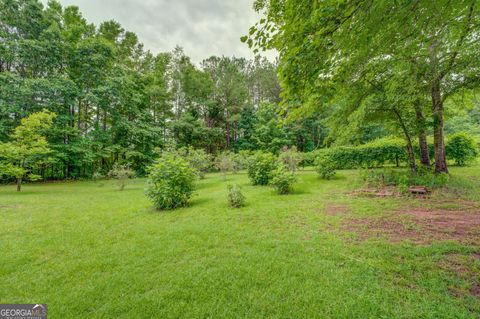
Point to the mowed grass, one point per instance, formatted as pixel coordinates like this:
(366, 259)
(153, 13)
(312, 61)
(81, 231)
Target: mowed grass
(90, 250)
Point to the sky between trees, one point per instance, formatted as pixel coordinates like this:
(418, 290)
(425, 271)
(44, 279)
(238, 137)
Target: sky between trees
(202, 27)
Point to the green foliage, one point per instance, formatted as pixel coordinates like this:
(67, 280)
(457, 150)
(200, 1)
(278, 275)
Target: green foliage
(308, 159)
(373, 154)
(282, 179)
(290, 157)
(97, 176)
(270, 135)
(404, 179)
(236, 199)
(424, 53)
(27, 148)
(242, 159)
(122, 173)
(198, 159)
(325, 167)
(115, 101)
(260, 168)
(171, 182)
(462, 148)
(225, 163)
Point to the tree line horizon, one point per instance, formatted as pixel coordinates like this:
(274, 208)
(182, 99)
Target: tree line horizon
(115, 102)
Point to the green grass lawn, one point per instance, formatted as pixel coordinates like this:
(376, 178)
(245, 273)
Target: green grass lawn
(89, 250)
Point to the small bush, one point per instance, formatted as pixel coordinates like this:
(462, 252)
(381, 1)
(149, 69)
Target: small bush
(260, 168)
(122, 173)
(241, 160)
(225, 164)
(282, 179)
(307, 159)
(235, 197)
(461, 147)
(171, 182)
(291, 158)
(325, 167)
(96, 177)
(198, 159)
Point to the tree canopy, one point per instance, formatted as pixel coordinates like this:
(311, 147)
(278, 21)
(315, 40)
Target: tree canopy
(369, 59)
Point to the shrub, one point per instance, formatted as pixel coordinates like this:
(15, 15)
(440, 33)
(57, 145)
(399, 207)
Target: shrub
(122, 173)
(198, 159)
(260, 168)
(308, 159)
(96, 176)
(282, 179)
(225, 163)
(241, 160)
(235, 197)
(291, 158)
(404, 179)
(171, 182)
(461, 147)
(325, 167)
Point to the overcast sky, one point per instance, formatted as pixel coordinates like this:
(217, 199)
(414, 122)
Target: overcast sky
(202, 27)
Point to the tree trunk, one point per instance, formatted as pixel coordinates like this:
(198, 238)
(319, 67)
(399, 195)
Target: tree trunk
(422, 137)
(410, 152)
(19, 184)
(438, 136)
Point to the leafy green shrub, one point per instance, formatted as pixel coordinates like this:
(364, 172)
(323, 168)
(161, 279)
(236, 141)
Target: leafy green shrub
(241, 160)
(96, 176)
(404, 179)
(225, 163)
(374, 154)
(290, 157)
(325, 167)
(462, 148)
(260, 168)
(198, 159)
(236, 199)
(122, 173)
(282, 179)
(308, 159)
(171, 182)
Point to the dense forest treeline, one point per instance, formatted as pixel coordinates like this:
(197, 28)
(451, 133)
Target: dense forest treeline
(117, 102)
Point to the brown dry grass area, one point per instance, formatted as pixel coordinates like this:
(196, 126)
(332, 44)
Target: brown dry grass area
(421, 225)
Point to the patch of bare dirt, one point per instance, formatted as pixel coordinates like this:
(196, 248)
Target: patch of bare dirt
(387, 191)
(421, 226)
(475, 290)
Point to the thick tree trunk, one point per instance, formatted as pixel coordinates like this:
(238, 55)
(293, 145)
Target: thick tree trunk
(19, 184)
(411, 156)
(438, 136)
(422, 137)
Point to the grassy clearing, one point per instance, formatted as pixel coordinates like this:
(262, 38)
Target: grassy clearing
(93, 251)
